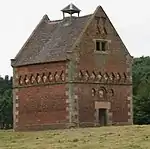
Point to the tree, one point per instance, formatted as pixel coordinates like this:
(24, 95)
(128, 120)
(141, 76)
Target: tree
(141, 90)
(6, 107)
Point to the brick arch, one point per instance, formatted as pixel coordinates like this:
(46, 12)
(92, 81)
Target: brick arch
(20, 80)
(93, 92)
(38, 78)
(44, 77)
(99, 76)
(26, 80)
(118, 76)
(102, 93)
(62, 75)
(112, 76)
(56, 76)
(106, 76)
(80, 75)
(50, 77)
(93, 75)
(111, 92)
(125, 77)
(32, 79)
(86, 75)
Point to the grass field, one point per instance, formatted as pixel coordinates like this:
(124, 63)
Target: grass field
(120, 137)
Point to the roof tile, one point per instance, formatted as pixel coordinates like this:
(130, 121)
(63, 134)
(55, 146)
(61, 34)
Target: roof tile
(50, 40)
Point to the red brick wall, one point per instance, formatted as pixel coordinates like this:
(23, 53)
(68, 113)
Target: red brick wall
(114, 60)
(119, 102)
(39, 103)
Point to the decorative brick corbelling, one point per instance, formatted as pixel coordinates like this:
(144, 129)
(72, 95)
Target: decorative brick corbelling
(67, 72)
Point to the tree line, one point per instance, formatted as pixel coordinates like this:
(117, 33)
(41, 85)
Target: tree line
(141, 94)
(6, 105)
(141, 90)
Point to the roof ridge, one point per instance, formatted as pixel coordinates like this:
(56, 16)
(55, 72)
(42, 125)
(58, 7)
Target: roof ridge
(69, 17)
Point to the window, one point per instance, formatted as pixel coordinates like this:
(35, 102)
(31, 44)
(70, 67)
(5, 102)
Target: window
(93, 92)
(97, 46)
(102, 93)
(101, 45)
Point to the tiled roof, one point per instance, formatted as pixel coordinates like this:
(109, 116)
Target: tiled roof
(50, 40)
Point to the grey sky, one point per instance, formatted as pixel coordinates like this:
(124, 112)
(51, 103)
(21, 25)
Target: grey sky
(131, 19)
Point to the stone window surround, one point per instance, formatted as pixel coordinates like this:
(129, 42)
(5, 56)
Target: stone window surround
(101, 52)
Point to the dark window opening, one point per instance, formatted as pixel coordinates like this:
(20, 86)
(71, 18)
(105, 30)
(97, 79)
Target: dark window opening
(101, 45)
(102, 117)
(97, 46)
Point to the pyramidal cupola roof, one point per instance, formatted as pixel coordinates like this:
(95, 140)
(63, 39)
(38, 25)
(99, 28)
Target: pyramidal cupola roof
(71, 9)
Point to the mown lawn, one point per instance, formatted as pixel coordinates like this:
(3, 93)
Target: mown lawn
(120, 137)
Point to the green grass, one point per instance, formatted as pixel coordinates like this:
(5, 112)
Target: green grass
(120, 137)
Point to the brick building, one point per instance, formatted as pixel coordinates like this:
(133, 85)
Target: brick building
(73, 72)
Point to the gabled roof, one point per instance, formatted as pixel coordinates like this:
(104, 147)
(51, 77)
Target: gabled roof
(50, 40)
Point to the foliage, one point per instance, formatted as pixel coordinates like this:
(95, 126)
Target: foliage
(6, 119)
(141, 90)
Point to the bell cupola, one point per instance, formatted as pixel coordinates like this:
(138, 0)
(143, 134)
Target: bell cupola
(70, 9)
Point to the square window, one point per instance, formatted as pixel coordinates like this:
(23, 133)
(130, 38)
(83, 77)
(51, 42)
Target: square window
(101, 45)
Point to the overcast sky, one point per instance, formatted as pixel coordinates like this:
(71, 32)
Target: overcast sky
(131, 19)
